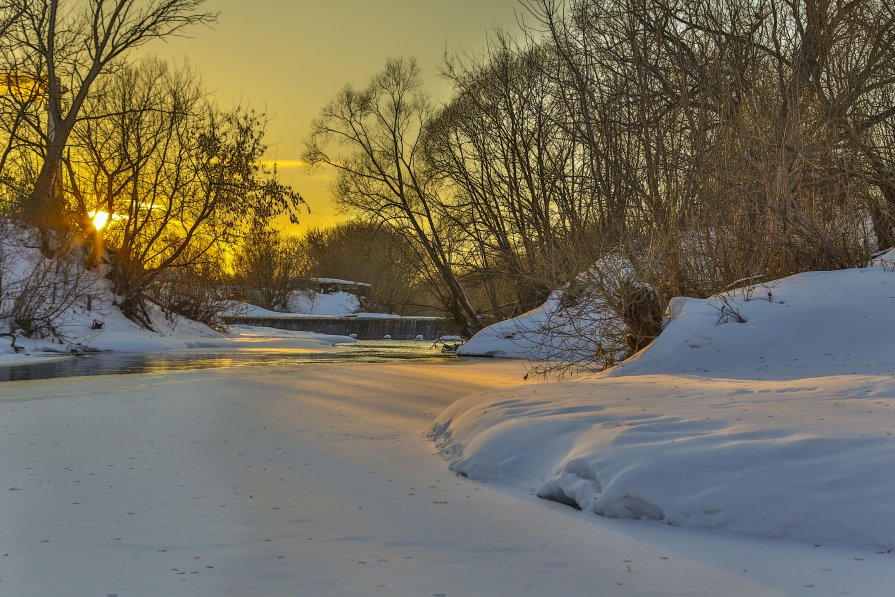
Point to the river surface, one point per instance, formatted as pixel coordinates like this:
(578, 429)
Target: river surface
(115, 363)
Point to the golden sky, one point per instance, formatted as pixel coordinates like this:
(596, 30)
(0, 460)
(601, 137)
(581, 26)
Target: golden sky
(289, 57)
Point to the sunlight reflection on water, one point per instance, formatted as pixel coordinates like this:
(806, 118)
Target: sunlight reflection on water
(364, 351)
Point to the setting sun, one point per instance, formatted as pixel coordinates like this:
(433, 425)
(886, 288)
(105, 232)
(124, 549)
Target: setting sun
(100, 219)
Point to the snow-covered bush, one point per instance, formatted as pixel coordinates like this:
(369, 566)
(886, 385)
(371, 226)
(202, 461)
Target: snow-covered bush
(606, 314)
(38, 296)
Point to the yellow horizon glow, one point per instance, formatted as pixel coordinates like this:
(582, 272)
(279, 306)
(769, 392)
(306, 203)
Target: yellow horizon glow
(24, 86)
(257, 57)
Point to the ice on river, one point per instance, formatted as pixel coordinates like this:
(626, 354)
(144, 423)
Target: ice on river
(319, 481)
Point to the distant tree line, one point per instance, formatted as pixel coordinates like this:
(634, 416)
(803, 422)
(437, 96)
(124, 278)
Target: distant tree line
(700, 142)
(271, 267)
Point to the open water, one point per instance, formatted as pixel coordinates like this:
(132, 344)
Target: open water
(364, 351)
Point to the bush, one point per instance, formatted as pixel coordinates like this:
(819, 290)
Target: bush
(40, 297)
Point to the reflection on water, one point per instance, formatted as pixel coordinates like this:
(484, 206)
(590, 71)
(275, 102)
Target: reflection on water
(364, 351)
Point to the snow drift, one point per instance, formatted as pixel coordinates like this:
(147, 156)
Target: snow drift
(315, 303)
(580, 327)
(548, 332)
(781, 426)
(554, 333)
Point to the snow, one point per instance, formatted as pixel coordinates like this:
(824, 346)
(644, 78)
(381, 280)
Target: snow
(253, 311)
(314, 303)
(568, 326)
(340, 281)
(97, 324)
(306, 303)
(765, 449)
(545, 333)
(173, 333)
(816, 324)
(779, 427)
(318, 481)
(119, 334)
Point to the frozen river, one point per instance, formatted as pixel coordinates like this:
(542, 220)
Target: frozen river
(318, 480)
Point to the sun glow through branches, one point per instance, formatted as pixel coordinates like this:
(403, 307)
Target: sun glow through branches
(100, 219)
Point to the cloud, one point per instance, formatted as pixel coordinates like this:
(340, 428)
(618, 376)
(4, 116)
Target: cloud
(284, 164)
(301, 167)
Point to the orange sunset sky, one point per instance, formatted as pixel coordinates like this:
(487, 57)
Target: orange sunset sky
(288, 58)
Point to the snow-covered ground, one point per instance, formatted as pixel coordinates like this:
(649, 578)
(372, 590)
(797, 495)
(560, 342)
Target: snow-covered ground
(567, 327)
(318, 481)
(550, 332)
(765, 448)
(522, 337)
(88, 319)
(122, 335)
(782, 426)
(310, 304)
(315, 303)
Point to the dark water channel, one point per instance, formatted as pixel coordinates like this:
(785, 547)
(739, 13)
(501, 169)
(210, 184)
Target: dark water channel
(114, 363)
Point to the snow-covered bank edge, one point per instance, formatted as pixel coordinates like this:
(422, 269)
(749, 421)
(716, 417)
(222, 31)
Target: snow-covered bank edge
(781, 426)
(239, 337)
(548, 333)
(51, 308)
(28, 358)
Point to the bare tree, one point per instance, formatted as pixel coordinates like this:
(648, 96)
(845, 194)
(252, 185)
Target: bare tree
(67, 46)
(372, 138)
(373, 254)
(517, 189)
(268, 267)
(176, 177)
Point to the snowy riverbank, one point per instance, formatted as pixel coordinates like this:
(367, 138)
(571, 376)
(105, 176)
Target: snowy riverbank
(75, 310)
(781, 426)
(121, 335)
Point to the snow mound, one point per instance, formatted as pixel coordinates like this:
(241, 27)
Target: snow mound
(548, 332)
(811, 324)
(309, 305)
(315, 303)
(781, 426)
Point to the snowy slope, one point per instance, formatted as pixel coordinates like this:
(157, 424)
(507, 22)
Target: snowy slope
(781, 426)
(545, 333)
(312, 304)
(118, 333)
(91, 320)
(340, 304)
(122, 335)
(816, 324)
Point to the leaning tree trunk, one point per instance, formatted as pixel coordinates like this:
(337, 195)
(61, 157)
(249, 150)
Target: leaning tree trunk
(46, 197)
(45, 206)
